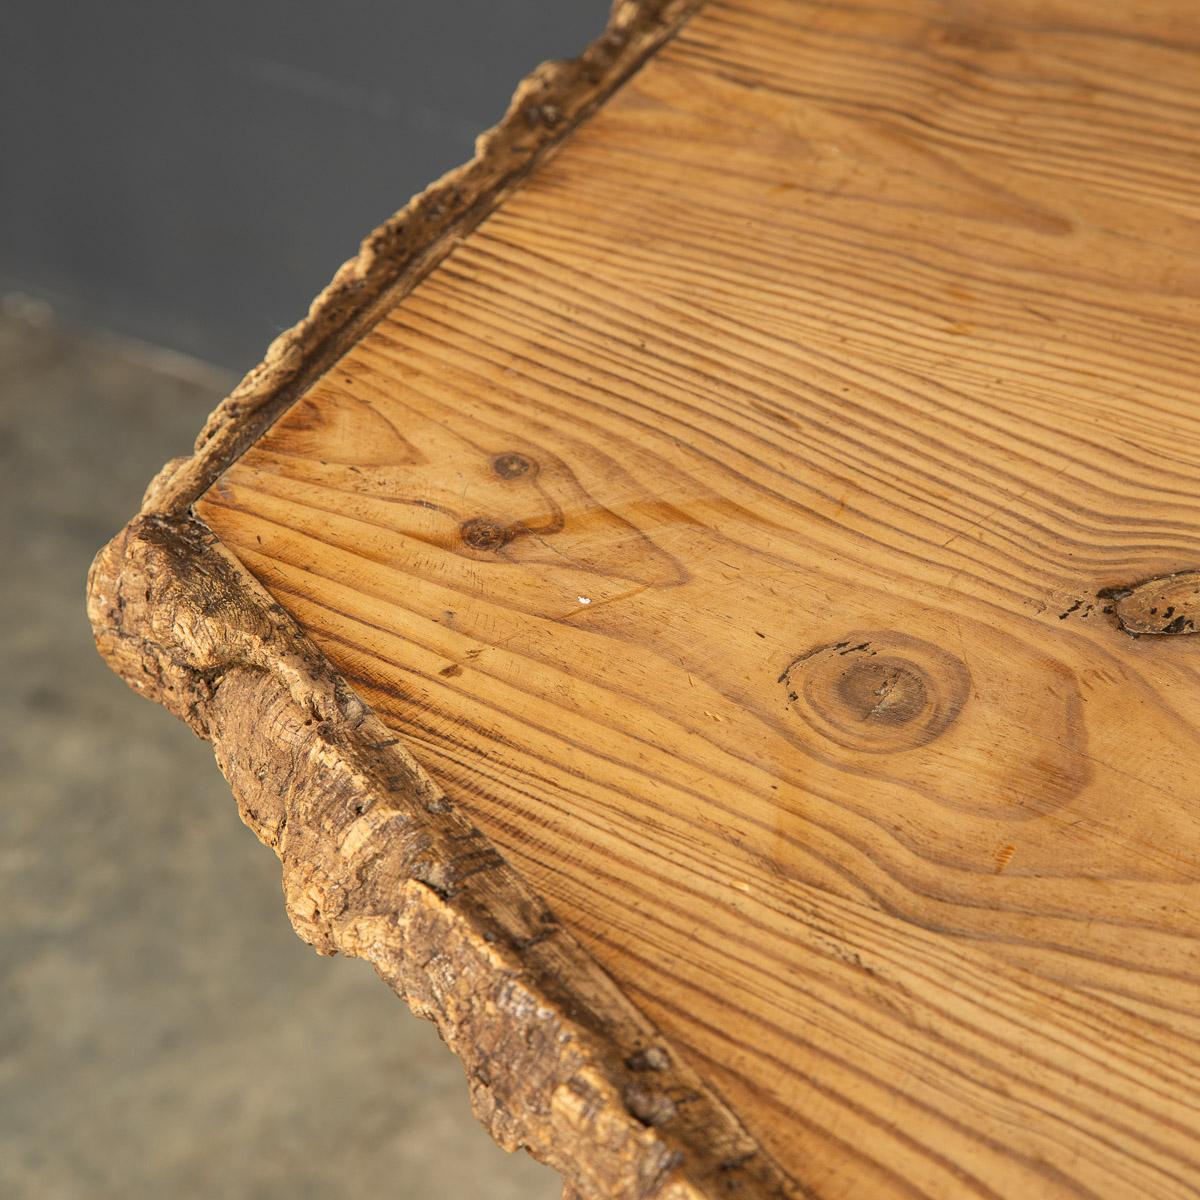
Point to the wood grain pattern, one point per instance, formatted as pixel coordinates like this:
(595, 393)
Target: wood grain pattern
(764, 527)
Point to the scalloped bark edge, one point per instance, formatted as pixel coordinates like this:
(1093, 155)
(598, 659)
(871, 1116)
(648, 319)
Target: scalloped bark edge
(547, 105)
(376, 862)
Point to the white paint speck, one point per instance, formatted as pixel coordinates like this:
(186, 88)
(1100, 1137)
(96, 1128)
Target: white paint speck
(585, 599)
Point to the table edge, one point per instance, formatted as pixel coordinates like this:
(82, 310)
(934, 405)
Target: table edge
(376, 862)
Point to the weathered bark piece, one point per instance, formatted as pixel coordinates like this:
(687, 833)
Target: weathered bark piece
(546, 106)
(774, 525)
(378, 864)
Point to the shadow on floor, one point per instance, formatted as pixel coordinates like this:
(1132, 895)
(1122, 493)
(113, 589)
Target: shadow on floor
(162, 1031)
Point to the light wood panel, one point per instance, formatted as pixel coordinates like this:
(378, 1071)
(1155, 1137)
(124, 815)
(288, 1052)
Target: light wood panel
(777, 527)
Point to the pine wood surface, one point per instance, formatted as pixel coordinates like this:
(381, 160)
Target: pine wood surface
(777, 527)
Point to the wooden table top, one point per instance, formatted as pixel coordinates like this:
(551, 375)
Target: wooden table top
(709, 603)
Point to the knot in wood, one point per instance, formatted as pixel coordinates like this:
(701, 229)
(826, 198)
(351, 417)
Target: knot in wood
(877, 691)
(481, 533)
(513, 465)
(1165, 605)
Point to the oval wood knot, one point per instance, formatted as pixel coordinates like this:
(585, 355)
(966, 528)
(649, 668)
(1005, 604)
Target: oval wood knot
(1165, 605)
(880, 692)
(513, 465)
(481, 533)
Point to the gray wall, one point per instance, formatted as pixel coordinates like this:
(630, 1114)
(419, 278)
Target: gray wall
(192, 174)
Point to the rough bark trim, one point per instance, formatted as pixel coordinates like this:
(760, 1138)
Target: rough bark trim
(545, 108)
(378, 864)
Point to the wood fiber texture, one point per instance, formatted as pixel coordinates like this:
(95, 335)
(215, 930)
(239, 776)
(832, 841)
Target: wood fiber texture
(775, 526)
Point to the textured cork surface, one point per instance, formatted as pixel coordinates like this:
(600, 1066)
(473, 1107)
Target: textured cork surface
(376, 862)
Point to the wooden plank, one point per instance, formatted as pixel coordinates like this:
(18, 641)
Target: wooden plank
(727, 526)
(776, 525)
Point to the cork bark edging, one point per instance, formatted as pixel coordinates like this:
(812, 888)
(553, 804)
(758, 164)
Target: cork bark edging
(376, 862)
(546, 106)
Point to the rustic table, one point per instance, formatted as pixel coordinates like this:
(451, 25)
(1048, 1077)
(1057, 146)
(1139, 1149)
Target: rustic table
(708, 603)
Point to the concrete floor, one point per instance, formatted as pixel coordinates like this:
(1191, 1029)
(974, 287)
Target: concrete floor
(162, 1031)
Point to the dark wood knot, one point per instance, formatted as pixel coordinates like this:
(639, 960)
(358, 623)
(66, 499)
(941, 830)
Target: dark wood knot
(878, 691)
(1165, 605)
(482, 533)
(513, 465)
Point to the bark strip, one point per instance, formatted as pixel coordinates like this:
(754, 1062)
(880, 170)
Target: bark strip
(376, 861)
(546, 107)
